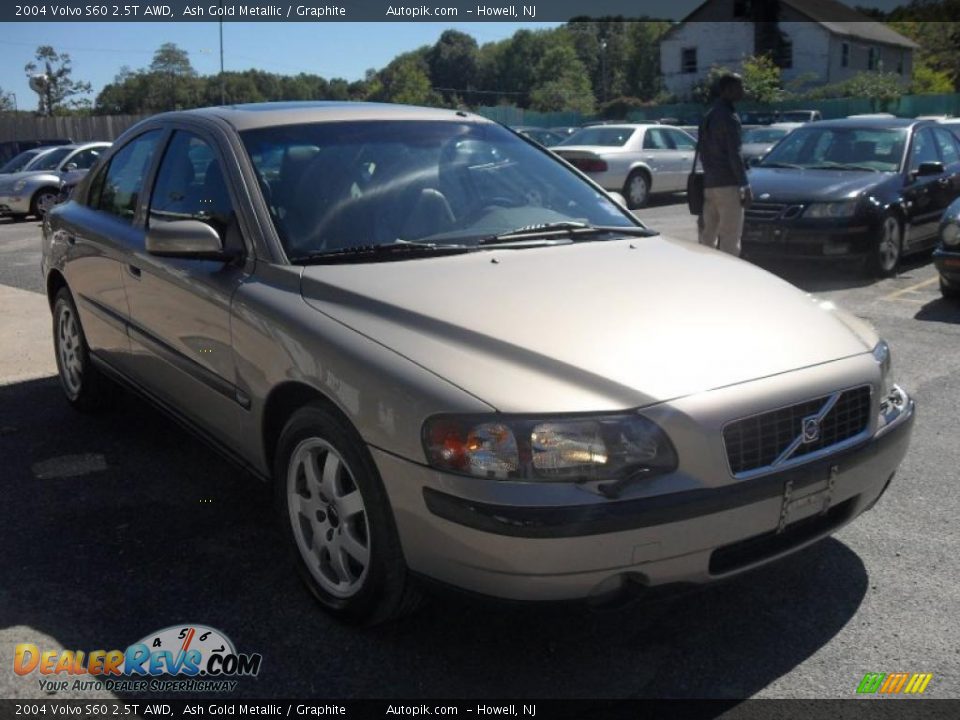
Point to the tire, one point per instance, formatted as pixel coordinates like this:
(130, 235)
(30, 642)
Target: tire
(949, 292)
(18, 217)
(337, 521)
(636, 190)
(43, 200)
(85, 387)
(887, 249)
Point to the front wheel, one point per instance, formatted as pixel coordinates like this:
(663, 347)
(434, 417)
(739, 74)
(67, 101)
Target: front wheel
(43, 202)
(86, 388)
(337, 520)
(884, 257)
(637, 189)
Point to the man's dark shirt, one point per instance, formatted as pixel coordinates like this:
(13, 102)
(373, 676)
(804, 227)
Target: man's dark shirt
(720, 143)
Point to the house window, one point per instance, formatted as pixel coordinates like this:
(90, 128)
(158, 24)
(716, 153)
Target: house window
(845, 55)
(688, 60)
(873, 59)
(785, 54)
(741, 8)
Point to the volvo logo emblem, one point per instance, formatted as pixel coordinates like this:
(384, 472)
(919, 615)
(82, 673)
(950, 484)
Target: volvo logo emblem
(765, 196)
(811, 429)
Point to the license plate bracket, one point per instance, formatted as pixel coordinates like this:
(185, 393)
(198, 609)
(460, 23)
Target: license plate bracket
(798, 502)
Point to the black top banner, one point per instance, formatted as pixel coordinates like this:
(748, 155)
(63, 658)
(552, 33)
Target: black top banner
(379, 11)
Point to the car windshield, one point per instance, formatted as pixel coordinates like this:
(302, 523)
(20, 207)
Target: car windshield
(49, 160)
(336, 186)
(762, 135)
(878, 149)
(605, 136)
(18, 162)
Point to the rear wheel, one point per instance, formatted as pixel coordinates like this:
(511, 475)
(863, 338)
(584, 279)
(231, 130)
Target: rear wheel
(337, 520)
(637, 189)
(884, 257)
(43, 201)
(86, 388)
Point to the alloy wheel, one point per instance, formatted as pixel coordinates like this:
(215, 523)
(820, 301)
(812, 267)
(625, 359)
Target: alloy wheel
(637, 190)
(45, 202)
(70, 351)
(889, 246)
(328, 517)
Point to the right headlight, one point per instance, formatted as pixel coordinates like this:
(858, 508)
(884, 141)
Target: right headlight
(950, 234)
(603, 447)
(843, 209)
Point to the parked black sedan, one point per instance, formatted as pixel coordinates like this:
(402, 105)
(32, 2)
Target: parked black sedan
(947, 255)
(871, 188)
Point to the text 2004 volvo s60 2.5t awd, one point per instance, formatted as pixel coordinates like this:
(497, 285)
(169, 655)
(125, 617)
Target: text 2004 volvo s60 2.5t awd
(458, 359)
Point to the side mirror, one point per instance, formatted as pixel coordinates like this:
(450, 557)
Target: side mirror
(618, 199)
(70, 167)
(754, 161)
(187, 239)
(927, 169)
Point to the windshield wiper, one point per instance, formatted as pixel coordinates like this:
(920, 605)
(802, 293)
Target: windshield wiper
(842, 166)
(568, 228)
(791, 166)
(378, 253)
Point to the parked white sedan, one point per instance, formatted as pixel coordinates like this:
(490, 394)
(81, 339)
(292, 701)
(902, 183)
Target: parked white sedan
(632, 159)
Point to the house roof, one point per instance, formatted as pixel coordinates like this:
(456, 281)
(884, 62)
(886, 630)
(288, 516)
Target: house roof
(834, 16)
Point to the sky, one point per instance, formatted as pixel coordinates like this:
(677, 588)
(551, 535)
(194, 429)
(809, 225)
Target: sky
(336, 49)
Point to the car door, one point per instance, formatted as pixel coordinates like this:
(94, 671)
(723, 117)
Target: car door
(99, 233)
(682, 161)
(948, 186)
(180, 308)
(921, 194)
(657, 155)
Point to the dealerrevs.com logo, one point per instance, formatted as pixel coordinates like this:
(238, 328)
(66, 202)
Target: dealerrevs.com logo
(180, 658)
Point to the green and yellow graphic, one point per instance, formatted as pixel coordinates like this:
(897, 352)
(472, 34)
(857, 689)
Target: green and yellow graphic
(894, 683)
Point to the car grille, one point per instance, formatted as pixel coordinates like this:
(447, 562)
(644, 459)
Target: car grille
(764, 211)
(759, 441)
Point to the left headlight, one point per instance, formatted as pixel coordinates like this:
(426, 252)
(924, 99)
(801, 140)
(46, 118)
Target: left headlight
(608, 447)
(19, 185)
(843, 209)
(893, 399)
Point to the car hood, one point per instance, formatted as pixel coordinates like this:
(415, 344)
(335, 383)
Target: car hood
(791, 185)
(586, 327)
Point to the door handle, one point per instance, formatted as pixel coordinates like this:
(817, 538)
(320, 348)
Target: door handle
(134, 270)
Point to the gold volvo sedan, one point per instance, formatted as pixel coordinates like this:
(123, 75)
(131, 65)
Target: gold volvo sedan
(457, 359)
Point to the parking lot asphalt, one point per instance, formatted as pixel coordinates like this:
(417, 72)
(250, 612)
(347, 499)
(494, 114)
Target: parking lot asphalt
(119, 525)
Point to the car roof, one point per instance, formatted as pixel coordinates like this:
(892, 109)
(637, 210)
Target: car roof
(625, 126)
(259, 115)
(879, 123)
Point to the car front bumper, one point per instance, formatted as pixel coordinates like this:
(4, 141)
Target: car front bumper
(14, 204)
(505, 546)
(808, 240)
(947, 263)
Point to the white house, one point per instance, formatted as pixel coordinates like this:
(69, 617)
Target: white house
(822, 39)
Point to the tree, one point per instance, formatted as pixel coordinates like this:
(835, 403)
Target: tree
(938, 42)
(60, 90)
(6, 101)
(453, 64)
(562, 83)
(406, 80)
(927, 81)
(169, 59)
(761, 80)
(883, 89)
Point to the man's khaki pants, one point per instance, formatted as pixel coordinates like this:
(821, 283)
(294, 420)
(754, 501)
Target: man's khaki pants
(722, 219)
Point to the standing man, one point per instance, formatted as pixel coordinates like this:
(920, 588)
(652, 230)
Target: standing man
(726, 189)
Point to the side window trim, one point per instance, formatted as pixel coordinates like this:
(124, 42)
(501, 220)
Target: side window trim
(137, 219)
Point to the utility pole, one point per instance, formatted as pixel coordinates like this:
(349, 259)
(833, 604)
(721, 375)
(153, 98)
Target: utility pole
(603, 70)
(223, 93)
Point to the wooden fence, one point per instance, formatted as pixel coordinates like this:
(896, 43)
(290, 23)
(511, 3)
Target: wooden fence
(22, 126)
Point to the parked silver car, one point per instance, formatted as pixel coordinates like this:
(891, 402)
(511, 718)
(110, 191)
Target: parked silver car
(759, 140)
(634, 160)
(455, 358)
(35, 189)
